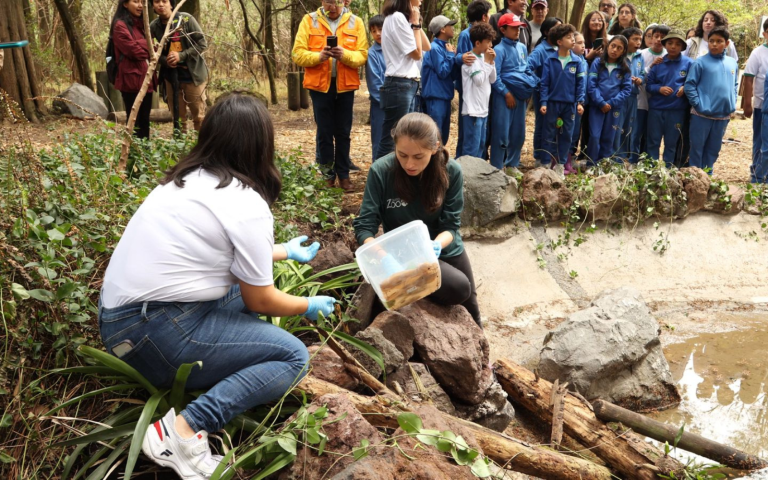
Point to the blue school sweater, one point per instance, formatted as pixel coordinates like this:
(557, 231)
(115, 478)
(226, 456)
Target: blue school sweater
(637, 67)
(611, 88)
(669, 73)
(584, 65)
(463, 45)
(560, 84)
(374, 70)
(437, 72)
(539, 55)
(709, 83)
(511, 65)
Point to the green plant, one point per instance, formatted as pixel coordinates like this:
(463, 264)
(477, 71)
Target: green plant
(693, 470)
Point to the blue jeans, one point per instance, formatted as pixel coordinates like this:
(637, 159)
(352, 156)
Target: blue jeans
(474, 135)
(246, 361)
(667, 124)
(440, 111)
(557, 140)
(333, 116)
(508, 131)
(538, 128)
(624, 143)
(760, 131)
(398, 98)
(706, 141)
(377, 126)
(602, 130)
(460, 134)
(640, 141)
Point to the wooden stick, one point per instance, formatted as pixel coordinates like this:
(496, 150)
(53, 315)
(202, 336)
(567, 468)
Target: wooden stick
(558, 412)
(512, 453)
(626, 453)
(690, 442)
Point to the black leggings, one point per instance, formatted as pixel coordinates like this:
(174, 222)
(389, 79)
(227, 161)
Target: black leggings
(141, 128)
(457, 285)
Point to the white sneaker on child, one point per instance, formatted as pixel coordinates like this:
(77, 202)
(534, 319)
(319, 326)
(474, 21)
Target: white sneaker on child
(190, 458)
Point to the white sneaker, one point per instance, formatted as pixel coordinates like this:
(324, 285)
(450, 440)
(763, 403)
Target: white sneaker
(191, 459)
(560, 170)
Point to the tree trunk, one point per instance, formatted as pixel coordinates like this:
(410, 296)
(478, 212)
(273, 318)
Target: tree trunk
(298, 10)
(270, 56)
(266, 56)
(18, 76)
(577, 13)
(630, 455)
(192, 7)
(558, 8)
(691, 442)
(514, 454)
(76, 43)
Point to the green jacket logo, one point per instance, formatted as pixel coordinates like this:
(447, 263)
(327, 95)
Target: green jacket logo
(683, 73)
(572, 69)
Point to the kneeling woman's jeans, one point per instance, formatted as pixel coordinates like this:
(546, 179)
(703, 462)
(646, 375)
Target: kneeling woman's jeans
(246, 361)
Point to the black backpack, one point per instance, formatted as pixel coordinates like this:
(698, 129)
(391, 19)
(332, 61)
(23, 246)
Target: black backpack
(112, 62)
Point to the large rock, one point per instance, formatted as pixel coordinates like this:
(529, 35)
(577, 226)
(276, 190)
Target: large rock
(333, 255)
(453, 347)
(612, 351)
(393, 358)
(696, 185)
(494, 412)
(77, 95)
(345, 428)
(725, 199)
(427, 464)
(397, 329)
(670, 201)
(489, 194)
(431, 389)
(603, 203)
(328, 366)
(544, 195)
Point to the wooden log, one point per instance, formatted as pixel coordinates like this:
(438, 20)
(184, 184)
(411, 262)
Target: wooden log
(294, 91)
(690, 442)
(628, 454)
(303, 92)
(510, 452)
(558, 412)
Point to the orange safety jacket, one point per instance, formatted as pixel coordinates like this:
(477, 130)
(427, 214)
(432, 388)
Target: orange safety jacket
(310, 41)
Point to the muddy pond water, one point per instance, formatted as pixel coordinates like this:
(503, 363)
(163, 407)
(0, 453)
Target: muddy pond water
(723, 381)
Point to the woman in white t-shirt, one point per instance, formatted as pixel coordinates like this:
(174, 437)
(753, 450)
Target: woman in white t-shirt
(698, 45)
(192, 266)
(402, 42)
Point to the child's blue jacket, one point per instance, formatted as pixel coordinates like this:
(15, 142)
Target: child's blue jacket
(375, 68)
(560, 84)
(712, 85)
(669, 73)
(512, 73)
(437, 72)
(637, 67)
(463, 45)
(611, 88)
(539, 55)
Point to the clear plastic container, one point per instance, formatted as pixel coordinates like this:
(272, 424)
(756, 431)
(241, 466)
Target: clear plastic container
(400, 265)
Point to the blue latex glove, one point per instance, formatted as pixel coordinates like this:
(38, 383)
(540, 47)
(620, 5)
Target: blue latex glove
(319, 304)
(301, 253)
(390, 265)
(437, 248)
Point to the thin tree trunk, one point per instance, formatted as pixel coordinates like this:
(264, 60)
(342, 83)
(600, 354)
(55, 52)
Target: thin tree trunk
(270, 57)
(557, 8)
(266, 56)
(76, 43)
(18, 77)
(577, 13)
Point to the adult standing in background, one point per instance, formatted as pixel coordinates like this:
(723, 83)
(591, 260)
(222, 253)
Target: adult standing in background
(403, 42)
(608, 7)
(183, 72)
(331, 76)
(132, 54)
(698, 45)
(627, 19)
(516, 7)
(539, 11)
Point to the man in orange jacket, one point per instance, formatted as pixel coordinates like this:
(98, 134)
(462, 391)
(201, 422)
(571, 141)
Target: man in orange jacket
(331, 76)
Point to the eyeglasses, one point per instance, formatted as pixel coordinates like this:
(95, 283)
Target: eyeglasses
(606, 5)
(338, 3)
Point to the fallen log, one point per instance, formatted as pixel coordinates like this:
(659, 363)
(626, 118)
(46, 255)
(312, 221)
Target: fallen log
(628, 454)
(512, 453)
(690, 442)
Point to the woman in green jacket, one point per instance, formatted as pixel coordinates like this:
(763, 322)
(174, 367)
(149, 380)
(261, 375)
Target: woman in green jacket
(419, 182)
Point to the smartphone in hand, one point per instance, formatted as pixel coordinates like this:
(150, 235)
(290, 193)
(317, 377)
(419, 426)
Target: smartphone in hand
(597, 43)
(331, 41)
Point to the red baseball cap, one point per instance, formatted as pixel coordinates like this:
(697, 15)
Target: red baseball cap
(510, 20)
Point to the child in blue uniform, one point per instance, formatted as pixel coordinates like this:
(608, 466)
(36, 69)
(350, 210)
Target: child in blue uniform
(437, 75)
(610, 83)
(754, 104)
(711, 89)
(374, 77)
(667, 104)
(625, 140)
(513, 87)
(562, 95)
(579, 49)
(539, 55)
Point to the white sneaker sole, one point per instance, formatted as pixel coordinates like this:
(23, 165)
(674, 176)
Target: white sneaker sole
(160, 459)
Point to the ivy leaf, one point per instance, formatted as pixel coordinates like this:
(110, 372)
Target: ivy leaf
(42, 295)
(19, 292)
(323, 441)
(287, 442)
(312, 436)
(362, 450)
(429, 437)
(446, 441)
(65, 290)
(5, 458)
(6, 421)
(480, 468)
(55, 235)
(321, 412)
(410, 422)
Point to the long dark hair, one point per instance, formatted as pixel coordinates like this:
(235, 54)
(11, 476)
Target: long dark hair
(616, 28)
(548, 24)
(237, 140)
(393, 6)
(123, 15)
(623, 65)
(589, 38)
(720, 21)
(433, 183)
